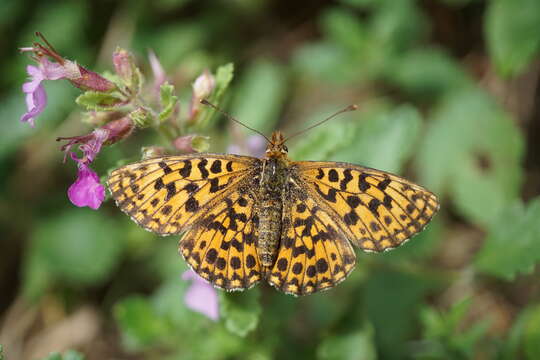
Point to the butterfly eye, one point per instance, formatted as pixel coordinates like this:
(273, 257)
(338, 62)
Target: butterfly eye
(285, 148)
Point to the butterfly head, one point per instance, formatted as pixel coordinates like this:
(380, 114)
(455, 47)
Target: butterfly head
(276, 146)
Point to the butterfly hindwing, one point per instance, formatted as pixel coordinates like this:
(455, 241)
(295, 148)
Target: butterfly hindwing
(220, 247)
(314, 253)
(377, 210)
(166, 194)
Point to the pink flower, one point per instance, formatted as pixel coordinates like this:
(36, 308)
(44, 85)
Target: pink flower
(36, 98)
(90, 144)
(86, 190)
(201, 296)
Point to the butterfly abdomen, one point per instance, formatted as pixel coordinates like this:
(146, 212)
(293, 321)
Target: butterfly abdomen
(272, 185)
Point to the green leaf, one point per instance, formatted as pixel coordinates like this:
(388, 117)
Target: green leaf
(396, 26)
(168, 101)
(99, 101)
(511, 348)
(385, 139)
(445, 336)
(140, 324)
(320, 142)
(344, 28)
(532, 334)
(512, 30)
(428, 73)
(241, 311)
(512, 245)
(355, 346)
(473, 151)
(224, 76)
(524, 337)
(260, 96)
(80, 247)
(392, 300)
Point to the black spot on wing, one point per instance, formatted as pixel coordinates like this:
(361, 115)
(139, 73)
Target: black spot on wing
(347, 177)
(363, 185)
(171, 191)
(202, 168)
(158, 185)
(186, 170)
(165, 167)
(216, 166)
(333, 175)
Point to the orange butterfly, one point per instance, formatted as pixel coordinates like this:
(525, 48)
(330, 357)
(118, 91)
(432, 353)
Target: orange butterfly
(290, 223)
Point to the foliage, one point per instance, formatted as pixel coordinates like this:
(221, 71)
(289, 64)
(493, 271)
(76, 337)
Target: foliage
(443, 100)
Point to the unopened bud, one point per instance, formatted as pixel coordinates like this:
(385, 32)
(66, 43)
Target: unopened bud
(86, 79)
(118, 129)
(192, 143)
(123, 63)
(142, 117)
(203, 85)
(202, 88)
(149, 152)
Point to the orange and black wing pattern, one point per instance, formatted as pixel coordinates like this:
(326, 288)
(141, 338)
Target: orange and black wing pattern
(211, 198)
(167, 194)
(314, 253)
(376, 210)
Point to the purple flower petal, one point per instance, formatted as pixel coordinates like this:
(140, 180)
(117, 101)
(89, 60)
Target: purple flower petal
(93, 146)
(36, 98)
(35, 104)
(201, 296)
(86, 190)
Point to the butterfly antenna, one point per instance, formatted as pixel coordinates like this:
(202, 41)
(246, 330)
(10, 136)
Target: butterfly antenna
(206, 102)
(347, 109)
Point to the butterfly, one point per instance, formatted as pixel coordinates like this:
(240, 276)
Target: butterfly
(290, 223)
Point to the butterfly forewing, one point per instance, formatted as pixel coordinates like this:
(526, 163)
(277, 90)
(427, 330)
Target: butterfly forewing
(167, 194)
(377, 210)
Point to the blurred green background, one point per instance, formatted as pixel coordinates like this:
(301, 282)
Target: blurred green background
(448, 95)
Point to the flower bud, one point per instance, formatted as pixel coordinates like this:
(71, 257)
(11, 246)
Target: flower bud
(123, 63)
(118, 129)
(149, 152)
(203, 85)
(192, 143)
(202, 88)
(85, 79)
(142, 117)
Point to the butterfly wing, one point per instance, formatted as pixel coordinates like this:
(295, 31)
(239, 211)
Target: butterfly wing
(211, 197)
(167, 194)
(314, 252)
(376, 210)
(221, 246)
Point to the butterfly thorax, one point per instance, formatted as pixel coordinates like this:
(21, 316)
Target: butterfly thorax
(273, 181)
